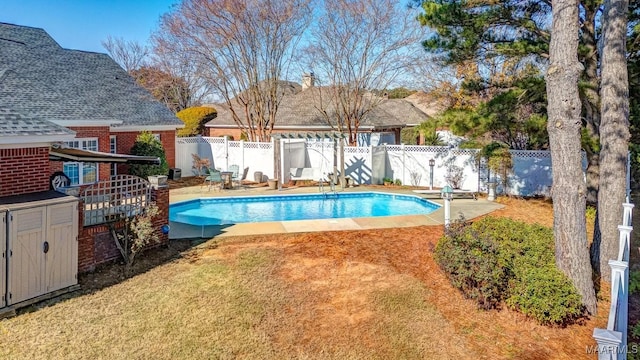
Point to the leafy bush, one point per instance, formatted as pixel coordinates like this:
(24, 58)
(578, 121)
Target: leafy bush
(194, 119)
(472, 262)
(499, 259)
(398, 182)
(545, 294)
(147, 145)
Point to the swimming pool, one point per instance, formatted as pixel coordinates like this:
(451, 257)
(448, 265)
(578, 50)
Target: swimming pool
(247, 209)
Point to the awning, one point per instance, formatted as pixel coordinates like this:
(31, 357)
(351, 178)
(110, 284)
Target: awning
(71, 154)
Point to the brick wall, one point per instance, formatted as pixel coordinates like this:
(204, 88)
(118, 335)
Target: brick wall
(95, 244)
(102, 133)
(214, 132)
(24, 170)
(125, 141)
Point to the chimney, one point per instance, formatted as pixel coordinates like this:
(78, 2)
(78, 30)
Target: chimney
(308, 80)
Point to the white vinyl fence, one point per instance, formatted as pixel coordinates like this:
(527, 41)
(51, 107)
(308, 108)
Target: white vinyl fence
(222, 153)
(612, 341)
(409, 164)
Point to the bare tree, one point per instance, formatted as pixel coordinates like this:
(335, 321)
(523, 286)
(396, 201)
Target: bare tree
(242, 48)
(564, 126)
(614, 134)
(358, 46)
(131, 55)
(170, 90)
(154, 72)
(179, 65)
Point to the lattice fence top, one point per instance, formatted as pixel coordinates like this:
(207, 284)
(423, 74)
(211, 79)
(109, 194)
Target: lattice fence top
(319, 145)
(187, 140)
(200, 139)
(460, 152)
(530, 153)
(360, 149)
(116, 198)
(258, 145)
(356, 150)
(427, 149)
(393, 147)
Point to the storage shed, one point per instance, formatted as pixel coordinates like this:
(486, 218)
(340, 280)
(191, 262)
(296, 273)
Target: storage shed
(39, 239)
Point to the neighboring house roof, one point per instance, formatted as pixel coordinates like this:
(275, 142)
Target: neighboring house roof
(300, 109)
(16, 129)
(428, 103)
(38, 78)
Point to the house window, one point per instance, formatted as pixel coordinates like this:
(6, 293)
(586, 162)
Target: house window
(79, 172)
(112, 149)
(157, 136)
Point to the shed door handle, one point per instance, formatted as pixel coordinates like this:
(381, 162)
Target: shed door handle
(45, 247)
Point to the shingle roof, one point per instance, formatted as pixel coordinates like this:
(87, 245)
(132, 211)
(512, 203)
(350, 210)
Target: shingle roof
(40, 79)
(14, 124)
(302, 109)
(430, 104)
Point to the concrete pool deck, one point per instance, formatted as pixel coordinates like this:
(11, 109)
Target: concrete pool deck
(467, 208)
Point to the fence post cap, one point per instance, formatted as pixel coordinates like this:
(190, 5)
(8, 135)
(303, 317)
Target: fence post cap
(618, 265)
(607, 337)
(625, 228)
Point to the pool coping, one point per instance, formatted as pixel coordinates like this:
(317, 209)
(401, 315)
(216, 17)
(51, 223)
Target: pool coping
(467, 208)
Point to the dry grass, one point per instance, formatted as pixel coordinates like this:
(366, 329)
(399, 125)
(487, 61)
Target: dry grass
(373, 294)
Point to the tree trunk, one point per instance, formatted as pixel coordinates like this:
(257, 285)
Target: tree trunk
(591, 98)
(564, 126)
(614, 131)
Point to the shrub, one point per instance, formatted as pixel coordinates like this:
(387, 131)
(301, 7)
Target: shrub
(137, 233)
(147, 145)
(499, 259)
(545, 294)
(194, 119)
(472, 262)
(455, 176)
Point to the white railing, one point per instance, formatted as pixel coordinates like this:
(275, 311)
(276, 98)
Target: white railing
(612, 341)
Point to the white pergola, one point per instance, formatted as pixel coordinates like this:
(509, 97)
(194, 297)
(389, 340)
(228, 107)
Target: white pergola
(335, 137)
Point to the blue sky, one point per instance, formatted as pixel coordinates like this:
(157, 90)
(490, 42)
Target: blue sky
(83, 24)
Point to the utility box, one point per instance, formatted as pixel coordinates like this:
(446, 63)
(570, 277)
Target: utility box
(175, 174)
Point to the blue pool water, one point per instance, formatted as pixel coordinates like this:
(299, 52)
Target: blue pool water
(245, 209)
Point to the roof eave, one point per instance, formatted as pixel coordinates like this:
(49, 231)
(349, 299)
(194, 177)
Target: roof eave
(86, 122)
(23, 140)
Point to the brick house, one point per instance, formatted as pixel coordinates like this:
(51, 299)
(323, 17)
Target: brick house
(86, 92)
(300, 111)
(54, 96)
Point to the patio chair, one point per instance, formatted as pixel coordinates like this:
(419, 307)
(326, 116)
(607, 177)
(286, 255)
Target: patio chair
(237, 179)
(213, 178)
(234, 169)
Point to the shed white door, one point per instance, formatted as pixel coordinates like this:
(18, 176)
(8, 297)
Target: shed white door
(61, 261)
(3, 260)
(43, 250)
(26, 241)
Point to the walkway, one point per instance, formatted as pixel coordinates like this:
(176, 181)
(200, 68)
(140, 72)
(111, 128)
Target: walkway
(465, 208)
